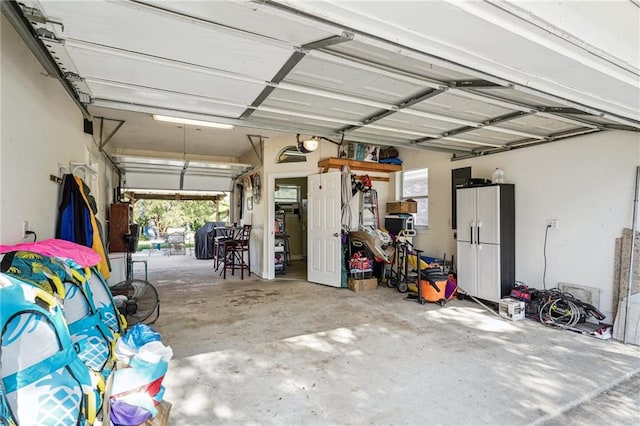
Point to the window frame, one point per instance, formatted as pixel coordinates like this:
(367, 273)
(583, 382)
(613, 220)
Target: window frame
(298, 189)
(402, 197)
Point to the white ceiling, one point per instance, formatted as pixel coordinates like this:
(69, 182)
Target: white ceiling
(468, 77)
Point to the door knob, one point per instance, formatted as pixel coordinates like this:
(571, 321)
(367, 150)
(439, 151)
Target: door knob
(336, 235)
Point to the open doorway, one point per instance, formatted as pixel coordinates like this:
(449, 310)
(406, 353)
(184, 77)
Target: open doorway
(290, 227)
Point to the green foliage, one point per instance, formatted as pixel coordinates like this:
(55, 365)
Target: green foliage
(179, 214)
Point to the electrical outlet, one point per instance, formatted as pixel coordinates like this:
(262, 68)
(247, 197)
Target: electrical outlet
(553, 223)
(25, 228)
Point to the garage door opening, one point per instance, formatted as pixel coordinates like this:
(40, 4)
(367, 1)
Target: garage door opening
(167, 223)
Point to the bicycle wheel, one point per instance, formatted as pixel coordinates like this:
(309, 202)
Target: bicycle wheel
(142, 301)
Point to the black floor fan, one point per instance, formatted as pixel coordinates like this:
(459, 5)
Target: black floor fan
(142, 304)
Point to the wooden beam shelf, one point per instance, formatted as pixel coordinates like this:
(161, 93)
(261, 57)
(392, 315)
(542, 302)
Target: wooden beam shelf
(367, 166)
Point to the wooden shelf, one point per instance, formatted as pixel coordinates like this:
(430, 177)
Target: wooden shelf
(337, 163)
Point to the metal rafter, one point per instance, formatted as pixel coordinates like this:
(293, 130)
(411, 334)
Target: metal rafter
(290, 64)
(524, 143)
(102, 143)
(260, 150)
(404, 105)
(106, 140)
(487, 124)
(319, 49)
(464, 89)
(411, 52)
(374, 40)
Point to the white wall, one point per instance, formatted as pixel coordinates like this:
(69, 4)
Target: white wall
(586, 183)
(41, 128)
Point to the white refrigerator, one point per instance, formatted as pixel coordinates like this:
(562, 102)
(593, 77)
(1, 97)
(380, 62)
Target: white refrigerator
(486, 240)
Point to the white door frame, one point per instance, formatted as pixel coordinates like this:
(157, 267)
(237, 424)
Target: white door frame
(270, 240)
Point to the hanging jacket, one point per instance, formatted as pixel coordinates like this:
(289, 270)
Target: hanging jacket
(74, 222)
(96, 243)
(77, 222)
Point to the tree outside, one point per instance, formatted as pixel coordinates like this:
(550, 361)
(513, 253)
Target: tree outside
(188, 214)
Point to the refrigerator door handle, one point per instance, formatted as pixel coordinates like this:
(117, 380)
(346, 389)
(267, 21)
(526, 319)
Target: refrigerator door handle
(471, 233)
(478, 226)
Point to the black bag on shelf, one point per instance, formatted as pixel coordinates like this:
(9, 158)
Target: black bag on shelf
(388, 152)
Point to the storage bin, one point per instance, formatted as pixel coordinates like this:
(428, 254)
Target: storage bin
(511, 309)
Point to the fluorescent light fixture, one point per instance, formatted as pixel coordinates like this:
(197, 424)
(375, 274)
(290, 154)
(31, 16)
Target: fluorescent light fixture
(193, 122)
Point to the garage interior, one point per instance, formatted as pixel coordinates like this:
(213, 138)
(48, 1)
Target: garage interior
(547, 92)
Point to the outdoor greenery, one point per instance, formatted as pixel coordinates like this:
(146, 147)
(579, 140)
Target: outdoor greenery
(191, 215)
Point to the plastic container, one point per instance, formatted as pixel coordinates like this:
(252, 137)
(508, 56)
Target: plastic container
(497, 176)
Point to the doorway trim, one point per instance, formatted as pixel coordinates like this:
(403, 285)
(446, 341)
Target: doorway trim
(270, 240)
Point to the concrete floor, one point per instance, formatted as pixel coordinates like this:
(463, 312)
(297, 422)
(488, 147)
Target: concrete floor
(294, 353)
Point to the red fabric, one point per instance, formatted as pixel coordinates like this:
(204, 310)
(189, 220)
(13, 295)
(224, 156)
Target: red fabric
(83, 256)
(151, 389)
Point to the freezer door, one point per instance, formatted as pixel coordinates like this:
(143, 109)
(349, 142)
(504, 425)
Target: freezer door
(467, 267)
(488, 280)
(466, 213)
(488, 215)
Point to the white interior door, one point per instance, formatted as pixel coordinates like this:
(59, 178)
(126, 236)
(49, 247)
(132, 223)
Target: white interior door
(323, 229)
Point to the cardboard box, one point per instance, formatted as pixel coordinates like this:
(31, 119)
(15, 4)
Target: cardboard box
(162, 418)
(362, 285)
(511, 309)
(402, 207)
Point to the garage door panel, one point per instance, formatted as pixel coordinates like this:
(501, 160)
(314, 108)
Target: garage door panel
(347, 79)
(96, 65)
(141, 29)
(458, 106)
(160, 100)
(319, 105)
